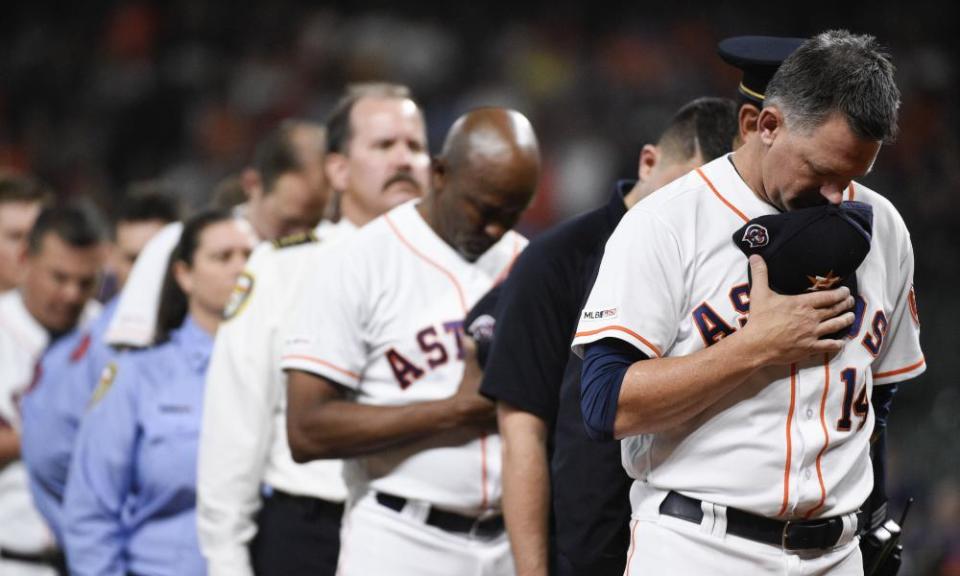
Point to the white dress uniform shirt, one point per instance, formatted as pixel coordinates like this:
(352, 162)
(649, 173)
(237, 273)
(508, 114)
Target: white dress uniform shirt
(243, 442)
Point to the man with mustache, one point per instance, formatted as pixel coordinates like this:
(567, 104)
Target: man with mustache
(250, 492)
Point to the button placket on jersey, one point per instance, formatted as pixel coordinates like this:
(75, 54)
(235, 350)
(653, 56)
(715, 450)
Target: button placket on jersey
(810, 384)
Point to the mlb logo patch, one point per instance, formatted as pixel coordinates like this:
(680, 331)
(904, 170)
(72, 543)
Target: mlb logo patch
(600, 314)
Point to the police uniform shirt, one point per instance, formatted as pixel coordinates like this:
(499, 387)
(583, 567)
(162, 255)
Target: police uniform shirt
(66, 377)
(530, 367)
(129, 505)
(243, 444)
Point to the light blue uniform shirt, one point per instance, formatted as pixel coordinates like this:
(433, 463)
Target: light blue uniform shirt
(131, 493)
(68, 374)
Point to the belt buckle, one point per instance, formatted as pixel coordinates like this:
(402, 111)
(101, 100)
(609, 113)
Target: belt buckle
(785, 535)
(483, 517)
(474, 528)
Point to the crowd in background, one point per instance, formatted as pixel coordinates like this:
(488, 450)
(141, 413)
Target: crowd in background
(181, 91)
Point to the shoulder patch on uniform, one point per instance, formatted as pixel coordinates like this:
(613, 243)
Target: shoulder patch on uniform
(106, 382)
(294, 240)
(912, 301)
(239, 296)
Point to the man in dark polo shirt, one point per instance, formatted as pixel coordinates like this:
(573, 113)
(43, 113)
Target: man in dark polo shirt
(537, 389)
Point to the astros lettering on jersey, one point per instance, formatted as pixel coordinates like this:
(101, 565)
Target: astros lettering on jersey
(792, 441)
(393, 337)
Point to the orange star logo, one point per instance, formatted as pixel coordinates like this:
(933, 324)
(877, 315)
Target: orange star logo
(822, 282)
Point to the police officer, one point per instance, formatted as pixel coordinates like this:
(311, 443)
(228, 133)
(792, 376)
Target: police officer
(64, 256)
(71, 367)
(130, 496)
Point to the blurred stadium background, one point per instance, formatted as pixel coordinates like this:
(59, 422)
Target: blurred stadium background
(96, 94)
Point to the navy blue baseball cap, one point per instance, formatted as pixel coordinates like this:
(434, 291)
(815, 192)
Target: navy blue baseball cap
(810, 249)
(758, 57)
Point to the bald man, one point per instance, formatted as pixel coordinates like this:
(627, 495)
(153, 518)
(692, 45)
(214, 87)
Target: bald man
(380, 373)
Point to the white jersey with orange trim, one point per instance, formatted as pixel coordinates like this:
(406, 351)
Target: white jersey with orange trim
(243, 440)
(792, 441)
(384, 318)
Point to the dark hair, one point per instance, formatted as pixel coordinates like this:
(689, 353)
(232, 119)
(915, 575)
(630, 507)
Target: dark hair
(276, 154)
(173, 300)
(837, 71)
(339, 128)
(708, 125)
(149, 200)
(78, 224)
(229, 192)
(20, 188)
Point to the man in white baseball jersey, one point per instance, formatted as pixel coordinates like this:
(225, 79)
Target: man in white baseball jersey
(249, 488)
(380, 372)
(286, 195)
(61, 267)
(748, 439)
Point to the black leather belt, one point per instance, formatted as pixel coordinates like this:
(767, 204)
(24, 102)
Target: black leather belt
(449, 521)
(317, 506)
(790, 535)
(51, 558)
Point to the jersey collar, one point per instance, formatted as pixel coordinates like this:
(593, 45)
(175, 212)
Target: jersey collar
(724, 182)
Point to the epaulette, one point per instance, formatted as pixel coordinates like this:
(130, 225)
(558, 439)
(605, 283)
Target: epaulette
(295, 240)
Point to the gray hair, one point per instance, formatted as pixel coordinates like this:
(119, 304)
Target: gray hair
(837, 71)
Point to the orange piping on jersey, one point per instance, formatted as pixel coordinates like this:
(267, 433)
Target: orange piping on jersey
(447, 273)
(786, 466)
(852, 194)
(633, 546)
(826, 435)
(903, 370)
(720, 196)
(506, 271)
(343, 371)
(483, 471)
(622, 329)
